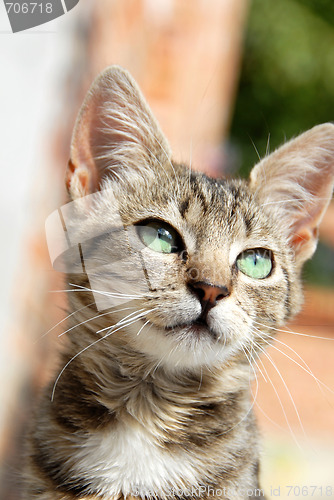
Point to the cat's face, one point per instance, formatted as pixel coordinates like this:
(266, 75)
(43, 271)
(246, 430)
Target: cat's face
(210, 266)
(217, 266)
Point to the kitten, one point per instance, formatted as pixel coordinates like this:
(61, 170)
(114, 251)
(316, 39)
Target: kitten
(181, 282)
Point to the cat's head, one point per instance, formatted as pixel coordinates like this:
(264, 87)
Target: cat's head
(209, 265)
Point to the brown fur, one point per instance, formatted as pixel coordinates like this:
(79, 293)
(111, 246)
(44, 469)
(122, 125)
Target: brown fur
(184, 388)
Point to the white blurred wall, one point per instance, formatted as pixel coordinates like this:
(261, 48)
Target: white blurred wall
(32, 68)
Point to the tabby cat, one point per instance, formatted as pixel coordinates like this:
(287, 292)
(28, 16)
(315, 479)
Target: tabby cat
(192, 276)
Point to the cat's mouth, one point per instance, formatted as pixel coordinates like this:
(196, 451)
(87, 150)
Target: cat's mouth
(198, 328)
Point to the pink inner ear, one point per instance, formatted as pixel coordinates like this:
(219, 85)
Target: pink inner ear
(303, 237)
(306, 226)
(80, 180)
(299, 176)
(114, 128)
(304, 241)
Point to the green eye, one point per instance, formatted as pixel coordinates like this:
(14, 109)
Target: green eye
(255, 263)
(159, 236)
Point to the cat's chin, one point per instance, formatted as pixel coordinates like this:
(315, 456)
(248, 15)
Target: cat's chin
(185, 346)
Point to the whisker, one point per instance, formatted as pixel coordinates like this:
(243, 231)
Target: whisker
(257, 387)
(268, 145)
(293, 332)
(64, 319)
(107, 294)
(255, 362)
(169, 161)
(117, 295)
(267, 355)
(88, 347)
(200, 380)
(143, 326)
(291, 200)
(127, 318)
(269, 418)
(280, 403)
(251, 362)
(168, 354)
(253, 402)
(305, 368)
(171, 164)
(256, 150)
(93, 318)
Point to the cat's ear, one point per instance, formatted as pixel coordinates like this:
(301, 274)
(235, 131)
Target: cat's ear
(296, 184)
(115, 134)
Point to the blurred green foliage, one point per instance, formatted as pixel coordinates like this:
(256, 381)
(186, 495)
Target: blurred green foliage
(287, 75)
(286, 86)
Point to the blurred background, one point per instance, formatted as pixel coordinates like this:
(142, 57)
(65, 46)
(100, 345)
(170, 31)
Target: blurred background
(229, 80)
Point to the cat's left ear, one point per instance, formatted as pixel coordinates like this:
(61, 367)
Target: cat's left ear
(295, 183)
(115, 135)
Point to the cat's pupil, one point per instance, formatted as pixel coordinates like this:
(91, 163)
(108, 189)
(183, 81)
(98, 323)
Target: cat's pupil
(166, 240)
(255, 263)
(163, 234)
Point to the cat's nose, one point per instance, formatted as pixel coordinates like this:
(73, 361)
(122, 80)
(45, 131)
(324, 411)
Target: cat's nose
(208, 294)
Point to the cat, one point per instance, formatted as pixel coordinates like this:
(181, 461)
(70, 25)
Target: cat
(153, 398)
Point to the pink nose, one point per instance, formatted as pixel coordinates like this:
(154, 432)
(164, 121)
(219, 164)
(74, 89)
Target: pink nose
(209, 294)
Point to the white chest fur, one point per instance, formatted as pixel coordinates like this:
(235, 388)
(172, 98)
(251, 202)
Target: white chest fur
(127, 461)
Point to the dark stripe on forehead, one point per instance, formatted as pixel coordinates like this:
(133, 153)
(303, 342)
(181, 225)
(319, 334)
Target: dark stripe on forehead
(235, 191)
(202, 197)
(248, 219)
(184, 207)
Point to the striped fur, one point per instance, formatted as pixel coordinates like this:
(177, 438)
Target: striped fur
(160, 406)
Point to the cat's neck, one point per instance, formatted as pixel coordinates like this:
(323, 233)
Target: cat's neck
(116, 379)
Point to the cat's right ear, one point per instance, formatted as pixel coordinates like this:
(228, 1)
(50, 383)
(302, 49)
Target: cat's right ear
(295, 183)
(115, 135)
